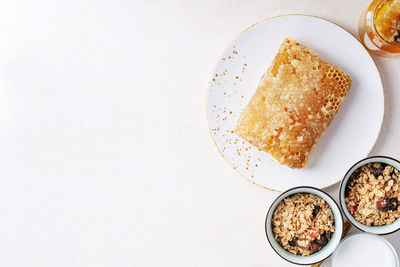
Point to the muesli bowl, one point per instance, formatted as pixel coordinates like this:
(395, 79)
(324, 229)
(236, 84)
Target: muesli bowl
(305, 229)
(369, 195)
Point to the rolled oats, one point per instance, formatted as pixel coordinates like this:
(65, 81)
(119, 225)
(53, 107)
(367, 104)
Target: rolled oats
(303, 223)
(372, 194)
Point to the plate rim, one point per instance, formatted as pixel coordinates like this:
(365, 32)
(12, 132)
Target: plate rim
(288, 15)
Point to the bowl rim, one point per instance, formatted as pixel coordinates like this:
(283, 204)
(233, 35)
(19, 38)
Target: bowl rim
(342, 187)
(276, 199)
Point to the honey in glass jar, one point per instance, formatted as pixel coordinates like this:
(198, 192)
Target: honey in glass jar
(379, 27)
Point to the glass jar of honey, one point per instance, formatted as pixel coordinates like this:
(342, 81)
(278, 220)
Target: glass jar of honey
(379, 28)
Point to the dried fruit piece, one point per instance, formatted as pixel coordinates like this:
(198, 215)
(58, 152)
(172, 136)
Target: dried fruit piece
(328, 234)
(376, 170)
(293, 242)
(314, 234)
(382, 204)
(347, 191)
(352, 209)
(324, 238)
(350, 183)
(316, 210)
(314, 246)
(393, 204)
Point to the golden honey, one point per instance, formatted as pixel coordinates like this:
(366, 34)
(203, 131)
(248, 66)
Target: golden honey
(379, 28)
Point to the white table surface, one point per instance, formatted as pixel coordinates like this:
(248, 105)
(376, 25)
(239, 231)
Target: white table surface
(106, 158)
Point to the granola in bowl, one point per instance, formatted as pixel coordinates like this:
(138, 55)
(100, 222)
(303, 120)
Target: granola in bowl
(372, 194)
(303, 223)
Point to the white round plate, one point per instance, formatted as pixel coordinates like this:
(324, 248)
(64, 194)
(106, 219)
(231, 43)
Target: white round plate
(349, 138)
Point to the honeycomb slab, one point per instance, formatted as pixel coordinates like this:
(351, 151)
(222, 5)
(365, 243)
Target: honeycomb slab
(295, 102)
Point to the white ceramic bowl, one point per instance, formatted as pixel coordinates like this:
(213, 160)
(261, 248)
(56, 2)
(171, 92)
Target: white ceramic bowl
(327, 250)
(364, 249)
(380, 230)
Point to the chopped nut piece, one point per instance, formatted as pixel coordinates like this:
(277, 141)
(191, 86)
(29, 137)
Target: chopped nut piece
(303, 243)
(382, 204)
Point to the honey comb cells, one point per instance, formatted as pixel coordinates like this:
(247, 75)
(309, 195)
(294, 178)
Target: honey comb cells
(295, 102)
